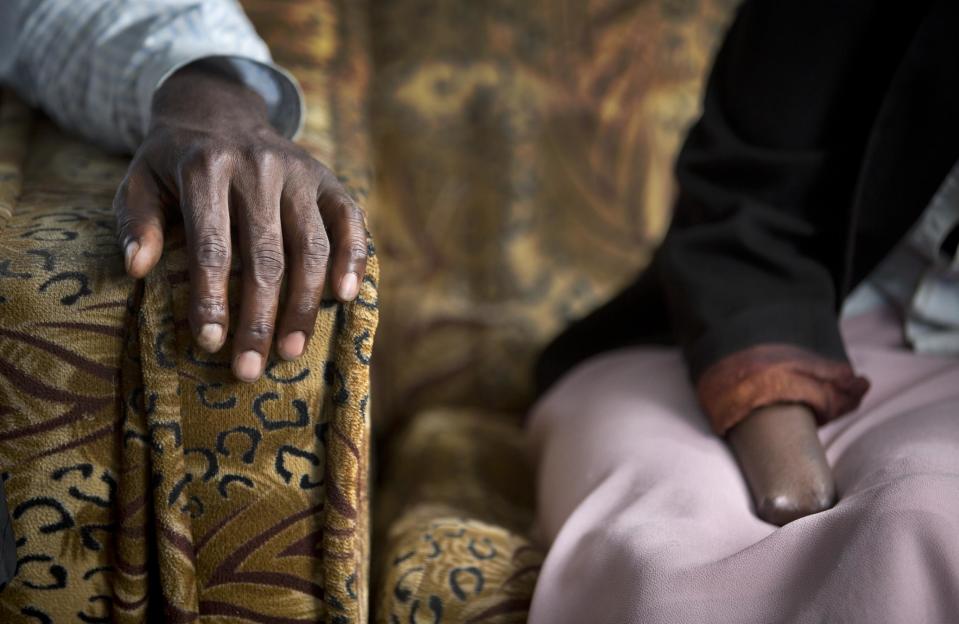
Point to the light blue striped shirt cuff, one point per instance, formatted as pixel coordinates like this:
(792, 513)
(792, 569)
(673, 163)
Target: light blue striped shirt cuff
(94, 65)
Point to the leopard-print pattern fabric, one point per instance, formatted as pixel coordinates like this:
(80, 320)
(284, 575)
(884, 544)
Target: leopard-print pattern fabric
(459, 549)
(144, 482)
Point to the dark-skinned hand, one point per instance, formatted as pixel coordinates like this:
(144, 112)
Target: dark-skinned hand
(212, 159)
(779, 451)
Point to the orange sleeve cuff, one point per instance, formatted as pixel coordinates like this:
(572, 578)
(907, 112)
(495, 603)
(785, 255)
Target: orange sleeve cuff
(763, 375)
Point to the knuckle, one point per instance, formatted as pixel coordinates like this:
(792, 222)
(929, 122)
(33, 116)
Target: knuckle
(303, 166)
(356, 251)
(330, 196)
(354, 212)
(210, 306)
(267, 263)
(305, 310)
(211, 250)
(260, 329)
(355, 215)
(205, 160)
(198, 169)
(341, 205)
(310, 173)
(316, 253)
(265, 161)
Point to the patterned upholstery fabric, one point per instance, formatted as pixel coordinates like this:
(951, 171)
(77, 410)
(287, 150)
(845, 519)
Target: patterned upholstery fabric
(523, 155)
(143, 481)
(455, 521)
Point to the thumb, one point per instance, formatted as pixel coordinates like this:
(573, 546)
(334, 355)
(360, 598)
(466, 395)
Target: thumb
(139, 213)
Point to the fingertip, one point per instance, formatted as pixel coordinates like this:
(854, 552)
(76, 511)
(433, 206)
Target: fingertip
(211, 337)
(292, 345)
(248, 366)
(129, 254)
(141, 262)
(349, 287)
(144, 255)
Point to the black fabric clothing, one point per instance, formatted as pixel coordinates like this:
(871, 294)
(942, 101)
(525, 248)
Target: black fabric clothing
(826, 129)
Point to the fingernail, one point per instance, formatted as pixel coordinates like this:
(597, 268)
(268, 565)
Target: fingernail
(292, 346)
(210, 337)
(248, 366)
(349, 286)
(129, 253)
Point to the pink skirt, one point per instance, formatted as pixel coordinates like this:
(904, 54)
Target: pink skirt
(649, 520)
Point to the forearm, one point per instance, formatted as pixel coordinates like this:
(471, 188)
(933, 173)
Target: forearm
(755, 254)
(783, 462)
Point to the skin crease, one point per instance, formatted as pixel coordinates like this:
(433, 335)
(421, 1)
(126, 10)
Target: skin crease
(784, 462)
(212, 159)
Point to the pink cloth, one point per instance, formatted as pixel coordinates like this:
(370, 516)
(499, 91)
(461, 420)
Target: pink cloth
(649, 519)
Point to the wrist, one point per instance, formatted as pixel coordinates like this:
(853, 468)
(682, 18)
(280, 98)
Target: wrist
(791, 410)
(205, 98)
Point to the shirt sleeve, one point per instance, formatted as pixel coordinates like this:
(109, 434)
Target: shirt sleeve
(753, 264)
(94, 65)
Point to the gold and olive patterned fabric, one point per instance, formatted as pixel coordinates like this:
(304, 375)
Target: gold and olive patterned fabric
(144, 482)
(455, 521)
(523, 156)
